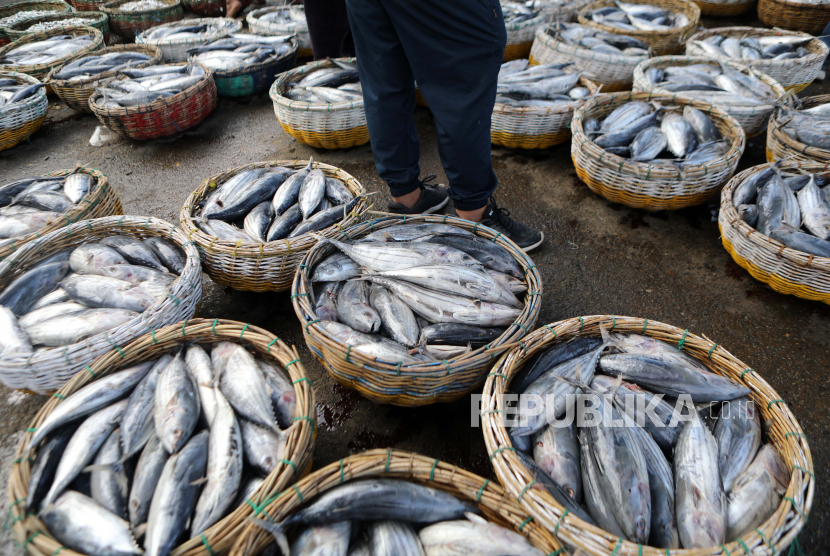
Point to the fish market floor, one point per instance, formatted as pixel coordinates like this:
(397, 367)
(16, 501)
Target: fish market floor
(599, 258)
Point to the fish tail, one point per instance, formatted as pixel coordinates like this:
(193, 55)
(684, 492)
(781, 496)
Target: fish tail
(276, 530)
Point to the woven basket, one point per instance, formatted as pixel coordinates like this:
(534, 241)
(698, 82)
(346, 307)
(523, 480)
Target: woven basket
(56, 6)
(784, 432)
(784, 269)
(752, 119)
(791, 74)
(795, 16)
(613, 72)
(40, 71)
(645, 185)
(75, 93)
(334, 125)
(270, 28)
(219, 537)
(176, 50)
(491, 499)
(20, 120)
(206, 8)
(534, 127)
(411, 385)
(101, 201)
(97, 20)
(670, 41)
(162, 117)
(725, 8)
(253, 266)
(520, 37)
(48, 370)
(130, 24)
(566, 13)
(252, 80)
(781, 146)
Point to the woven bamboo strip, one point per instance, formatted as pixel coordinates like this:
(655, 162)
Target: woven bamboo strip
(781, 146)
(57, 6)
(40, 71)
(130, 24)
(21, 119)
(95, 19)
(806, 17)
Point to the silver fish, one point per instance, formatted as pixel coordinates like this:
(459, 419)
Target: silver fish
(13, 340)
(134, 251)
(815, 210)
(596, 500)
(258, 221)
(648, 144)
(323, 540)
(397, 320)
(353, 307)
(679, 133)
(289, 192)
(372, 345)
(512, 284)
(45, 465)
(325, 300)
(108, 480)
(89, 258)
(50, 311)
(23, 292)
(337, 192)
(244, 198)
(771, 204)
(263, 448)
(312, 191)
(474, 536)
(105, 292)
(394, 538)
(137, 424)
(201, 371)
(283, 224)
(176, 405)
(795, 239)
(244, 386)
(757, 493)
(283, 396)
(738, 433)
(156, 283)
(749, 214)
(168, 253)
(411, 232)
(56, 296)
(624, 115)
(556, 452)
(335, 268)
(147, 472)
(70, 329)
(702, 125)
(77, 186)
(394, 256)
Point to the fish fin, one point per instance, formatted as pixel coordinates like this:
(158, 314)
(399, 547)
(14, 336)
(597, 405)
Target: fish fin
(475, 518)
(106, 467)
(276, 530)
(198, 482)
(616, 386)
(139, 530)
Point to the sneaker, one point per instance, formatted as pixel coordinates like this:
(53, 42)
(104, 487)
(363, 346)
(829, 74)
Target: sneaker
(433, 198)
(499, 219)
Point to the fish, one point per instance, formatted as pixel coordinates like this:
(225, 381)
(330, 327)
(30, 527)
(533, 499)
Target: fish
(137, 87)
(815, 210)
(137, 423)
(325, 300)
(71, 329)
(244, 386)
(473, 536)
(259, 187)
(13, 340)
(455, 334)
(396, 318)
(680, 134)
(176, 405)
(323, 540)
(263, 448)
(371, 345)
(104, 292)
(703, 127)
(335, 268)
(45, 464)
(487, 253)
(597, 502)
(794, 239)
(337, 192)
(147, 472)
(412, 232)
(108, 480)
(258, 221)
(51, 201)
(91, 257)
(281, 390)
(553, 356)
(379, 257)
(749, 214)
(546, 483)
(738, 434)
(312, 191)
(284, 224)
(50, 311)
(175, 495)
(770, 201)
(134, 251)
(647, 144)
(15, 225)
(157, 284)
(394, 538)
(169, 254)
(24, 291)
(700, 502)
(512, 284)
(288, 193)
(353, 307)
(556, 451)
(757, 493)
(200, 368)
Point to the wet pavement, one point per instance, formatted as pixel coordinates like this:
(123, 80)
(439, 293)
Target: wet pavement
(599, 258)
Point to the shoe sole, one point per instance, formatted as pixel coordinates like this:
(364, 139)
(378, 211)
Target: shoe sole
(437, 207)
(530, 248)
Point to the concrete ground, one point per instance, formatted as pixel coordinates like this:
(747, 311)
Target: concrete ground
(599, 258)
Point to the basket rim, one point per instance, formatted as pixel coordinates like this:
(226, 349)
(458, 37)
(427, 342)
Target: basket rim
(774, 132)
(660, 61)
(231, 26)
(276, 248)
(100, 18)
(110, 7)
(26, 103)
(191, 272)
(226, 74)
(96, 44)
(159, 103)
(823, 49)
(801, 5)
(552, 42)
(572, 530)
(658, 172)
(689, 9)
(147, 48)
(253, 19)
(300, 435)
(295, 74)
(301, 299)
(731, 217)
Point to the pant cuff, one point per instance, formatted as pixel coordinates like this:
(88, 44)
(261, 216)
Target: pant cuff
(470, 204)
(401, 190)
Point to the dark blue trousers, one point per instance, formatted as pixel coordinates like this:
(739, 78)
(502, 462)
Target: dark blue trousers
(453, 49)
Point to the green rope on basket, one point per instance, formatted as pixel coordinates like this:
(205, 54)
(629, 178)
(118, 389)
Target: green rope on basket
(293, 295)
(556, 552)
(489, 411)
(640, 550)
(744, 372)
(793, 433)
(496, 237)
(523, 327)
(244, 329)
(771, 546)
(524, 348)
(551, 330)
(89, 371)
(502, 449)
(306, 418)
(725, 550)
(528, 269)
(581, 324)
(682, 340)
(299, 494)
(184, 323)
(525, 522)
(774, 402)
(744, 546)
(713, 349)
(118, 349)
(30, 539)
(447, 365)
(274, 341)
(342, 477)
(481, 490)
(398, 369)
(558, 523)
(613, 322)
(808, 472)
(432, 471)
(310, 323)
(617, 548)
(302, 379)
(388, 461)
(527, 487)
(497, 374)
(59, 396)
(153, 336)
(289, 462)
(213, 328)
(58, 550)
(295, 360)
(207, 544)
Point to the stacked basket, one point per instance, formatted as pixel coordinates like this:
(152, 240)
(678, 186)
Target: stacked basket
(614, 72)
(752, 118)
(206, 8)
(57, 6)
(784, 269)
(253, 266)
(40, 71)
(21, 119)
(30, 530)
(76, 92)
(807, 17)
(269, 28)
(48, 370)
(410, 384)
(129, 24)
(646, 185)
(164, 116)
(724, 8)
(793, 74)
(96, 20)
(99, 202)
(333, 125)
(781, 146)
(176, 50)
(668, 41)
(783, 430)
(254, 79)
(520, 36)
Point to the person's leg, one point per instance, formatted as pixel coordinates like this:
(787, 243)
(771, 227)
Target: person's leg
(328, 26)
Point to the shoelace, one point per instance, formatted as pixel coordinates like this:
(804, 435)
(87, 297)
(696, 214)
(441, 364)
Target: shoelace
(427, 179)
(502, 216)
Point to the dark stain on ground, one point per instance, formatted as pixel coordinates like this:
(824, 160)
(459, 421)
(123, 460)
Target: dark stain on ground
(634, 220)
(734, 270)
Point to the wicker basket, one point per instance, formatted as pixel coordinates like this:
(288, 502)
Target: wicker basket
(613, 72)
(645, 185)
(252, 80)
(781, 146)
(534, 127)
(40, 71)
(334, 125)
(205, 8)
(784, 432)
(791, 74)
(162, 117)
(253, 266)
(129, 24)
(494, 503)
(48, 370)
(75, 93)
(566, 13)
(670, 41)
(520, 37)
(56, 6)
(176, 50)
(752, 119)
(97, 20)
(411, 385)
(270, 28)
(20, 120)
(784, 269)
(219, 537)
(725, 8)
(795, 16)
(101, 201)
